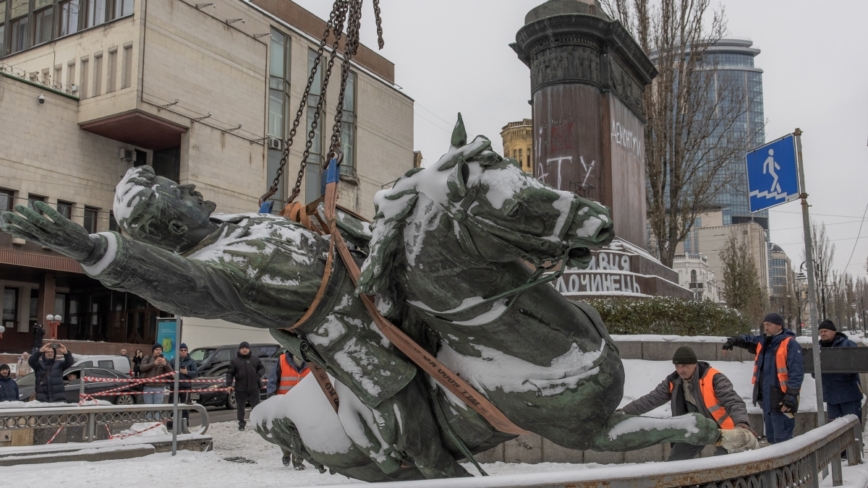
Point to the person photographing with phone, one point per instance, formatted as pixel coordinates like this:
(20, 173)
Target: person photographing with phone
(153, 366)
(49, 369)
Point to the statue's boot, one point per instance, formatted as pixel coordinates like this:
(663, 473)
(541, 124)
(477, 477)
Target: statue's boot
(623, 432)
(399, 432)
(737, 440)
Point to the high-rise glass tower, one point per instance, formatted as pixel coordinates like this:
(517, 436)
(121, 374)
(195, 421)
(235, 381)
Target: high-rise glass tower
(736, 70)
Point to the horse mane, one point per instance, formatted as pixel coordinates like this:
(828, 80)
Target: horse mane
(395, 206)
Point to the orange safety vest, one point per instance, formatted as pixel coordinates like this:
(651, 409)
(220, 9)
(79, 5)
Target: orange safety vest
(706, 389)
(288, 376)
(780, 363)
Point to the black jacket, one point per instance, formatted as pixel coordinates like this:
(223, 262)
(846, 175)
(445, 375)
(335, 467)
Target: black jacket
(192, 371)
(49, 375)
(8, 389)
(841, 387)
(245, 371)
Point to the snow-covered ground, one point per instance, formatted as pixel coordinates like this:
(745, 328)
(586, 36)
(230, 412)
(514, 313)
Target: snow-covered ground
(210, 469)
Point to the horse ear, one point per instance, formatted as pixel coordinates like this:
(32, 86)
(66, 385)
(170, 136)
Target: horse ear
(459, 135)
(456, 182)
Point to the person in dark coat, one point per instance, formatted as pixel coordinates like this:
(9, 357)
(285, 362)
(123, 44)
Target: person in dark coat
(137, 363)
(243, 377)
(683, 390)
(842, 392)
(8, 386)
(188, 371)
(775, 388)
(49, 372)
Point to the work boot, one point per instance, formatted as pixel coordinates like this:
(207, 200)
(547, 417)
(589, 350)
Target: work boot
(298, 467)
(286, 461)
(737, 440)
(241, 425)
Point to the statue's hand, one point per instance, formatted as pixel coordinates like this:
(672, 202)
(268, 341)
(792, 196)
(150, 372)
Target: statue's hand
(50, 229)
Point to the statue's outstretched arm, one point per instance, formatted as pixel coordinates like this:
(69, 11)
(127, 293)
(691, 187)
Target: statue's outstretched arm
(172, 282)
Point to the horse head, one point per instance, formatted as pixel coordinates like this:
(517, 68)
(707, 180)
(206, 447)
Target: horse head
(497, 211)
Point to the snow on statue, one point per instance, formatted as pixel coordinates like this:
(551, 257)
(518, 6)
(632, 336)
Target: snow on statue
(446, 259)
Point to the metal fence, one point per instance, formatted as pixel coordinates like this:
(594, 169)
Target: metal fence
(92, 416)
(793, 464)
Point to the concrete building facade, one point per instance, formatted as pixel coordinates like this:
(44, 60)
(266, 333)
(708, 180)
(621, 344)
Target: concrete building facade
(518, 143)
(204, 93)
(709, 237)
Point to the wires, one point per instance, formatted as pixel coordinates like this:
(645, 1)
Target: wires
(859, 234)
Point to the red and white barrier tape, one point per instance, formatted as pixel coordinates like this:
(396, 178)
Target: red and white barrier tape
(137, 381)
(115, 393)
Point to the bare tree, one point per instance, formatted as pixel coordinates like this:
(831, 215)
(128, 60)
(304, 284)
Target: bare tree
(741, 284)
(697, 120)
(824, 253)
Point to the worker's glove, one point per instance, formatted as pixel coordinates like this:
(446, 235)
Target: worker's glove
(733, 341)
(791, 402)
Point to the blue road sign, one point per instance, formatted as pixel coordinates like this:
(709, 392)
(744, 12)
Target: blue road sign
(773, 174)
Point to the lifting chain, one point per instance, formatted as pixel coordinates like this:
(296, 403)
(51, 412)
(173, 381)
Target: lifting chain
(334, 27)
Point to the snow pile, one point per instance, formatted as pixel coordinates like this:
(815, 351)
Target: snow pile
(309, 409)
(493, 370)
(635, 424)
(147, 429)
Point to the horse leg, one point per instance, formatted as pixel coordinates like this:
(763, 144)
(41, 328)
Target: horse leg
(401, 427)
(622, 432)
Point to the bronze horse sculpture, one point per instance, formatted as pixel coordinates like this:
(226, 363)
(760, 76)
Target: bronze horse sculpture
(448, 259)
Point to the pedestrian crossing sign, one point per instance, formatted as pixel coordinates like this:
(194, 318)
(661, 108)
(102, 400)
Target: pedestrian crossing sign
(772, 174)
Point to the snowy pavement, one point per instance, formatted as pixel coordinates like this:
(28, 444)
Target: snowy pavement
(210, 469)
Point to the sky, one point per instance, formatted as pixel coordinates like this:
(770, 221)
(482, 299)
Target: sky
(453, 56)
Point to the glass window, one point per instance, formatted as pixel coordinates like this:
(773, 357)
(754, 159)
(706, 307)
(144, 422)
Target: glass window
(10, 305)
(34, 304)
(90, 215)
(95, 12)
(18, 34)
(312, 187)
(6, 200)
(60, 305)
(167, 163)
(274, 157)
(31, 200)
(348, 127)
(127, 75)
(43, 21)
(106, 363)
(113, 223)
(122, 8)
(68, 17)
(199, 355)
(65, 209)
(221, 356)
(2, 25)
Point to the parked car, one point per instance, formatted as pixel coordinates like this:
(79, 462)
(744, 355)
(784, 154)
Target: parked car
(118, 363)
(227, 399)
(72, 385)
(214, 361)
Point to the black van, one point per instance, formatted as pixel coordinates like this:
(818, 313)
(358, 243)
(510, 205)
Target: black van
(214, 361)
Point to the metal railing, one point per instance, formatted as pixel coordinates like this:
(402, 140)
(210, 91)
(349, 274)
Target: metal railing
(793, 464)
(91, 416)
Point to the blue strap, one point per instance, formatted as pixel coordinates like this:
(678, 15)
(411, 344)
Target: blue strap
(332, 174)
(266, 207)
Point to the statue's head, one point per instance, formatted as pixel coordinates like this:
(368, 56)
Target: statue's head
(158, 211)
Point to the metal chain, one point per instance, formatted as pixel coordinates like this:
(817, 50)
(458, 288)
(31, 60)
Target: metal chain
(379, 24)
(350, 49)
(335, 23)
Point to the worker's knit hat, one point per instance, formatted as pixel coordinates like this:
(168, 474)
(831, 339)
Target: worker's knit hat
(774, 318)
(827, 324)
(684, 355)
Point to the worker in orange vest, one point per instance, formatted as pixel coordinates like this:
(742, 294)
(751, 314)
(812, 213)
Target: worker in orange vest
(286, 374)
(778, 370)
(696, 387)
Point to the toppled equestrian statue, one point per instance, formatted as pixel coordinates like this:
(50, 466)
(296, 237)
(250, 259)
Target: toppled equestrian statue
(447, 260)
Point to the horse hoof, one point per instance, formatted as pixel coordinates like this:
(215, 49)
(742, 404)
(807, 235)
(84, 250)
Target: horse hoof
(737, 440)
